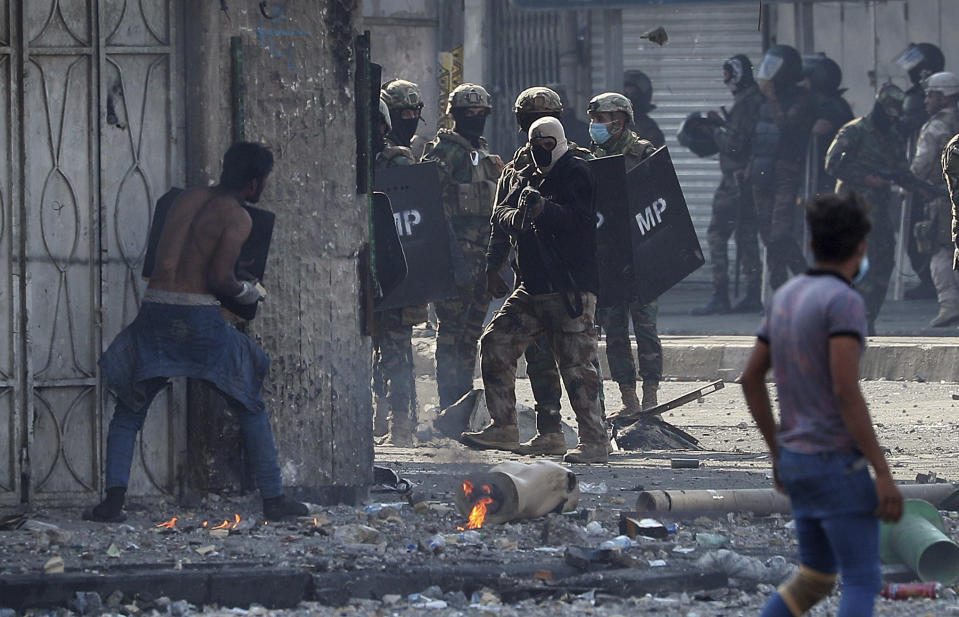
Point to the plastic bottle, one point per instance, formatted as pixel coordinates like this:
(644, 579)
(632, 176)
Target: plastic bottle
(617, 543)
(904, 591)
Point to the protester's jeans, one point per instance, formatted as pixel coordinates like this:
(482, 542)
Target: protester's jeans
(833, 501)
(255, 427)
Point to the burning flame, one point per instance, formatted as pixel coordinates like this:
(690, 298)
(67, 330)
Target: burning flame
(478, 513)
(228, 524)
(170, 524)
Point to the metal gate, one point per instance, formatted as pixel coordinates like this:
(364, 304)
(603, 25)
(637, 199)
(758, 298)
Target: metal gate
(526, 54)
(91, 134)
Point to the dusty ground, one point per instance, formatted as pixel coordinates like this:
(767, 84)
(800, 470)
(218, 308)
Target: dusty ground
(915, 421)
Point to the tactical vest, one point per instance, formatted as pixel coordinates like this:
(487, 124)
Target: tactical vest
(765, 145)
(474, 198)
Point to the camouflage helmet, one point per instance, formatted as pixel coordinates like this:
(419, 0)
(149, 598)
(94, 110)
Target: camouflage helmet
(469, 95)
(538, 100)
(890, 98)
(611, 101)
(401, 94)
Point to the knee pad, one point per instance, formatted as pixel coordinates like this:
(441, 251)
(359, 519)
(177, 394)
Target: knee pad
(805, 588)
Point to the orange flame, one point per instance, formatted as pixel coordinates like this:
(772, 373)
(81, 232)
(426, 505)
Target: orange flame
(228, 524)
(478, 513)
(170, 524)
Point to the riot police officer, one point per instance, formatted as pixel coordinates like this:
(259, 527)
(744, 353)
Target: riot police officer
(779, 145)
(822, 76)
(919, 60)
(611, 114)
(733, 206)
(861, 149)
(393, 384)
(468, 177)
(942, 93)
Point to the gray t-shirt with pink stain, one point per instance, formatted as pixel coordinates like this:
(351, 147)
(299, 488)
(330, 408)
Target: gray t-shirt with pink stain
(802, 317)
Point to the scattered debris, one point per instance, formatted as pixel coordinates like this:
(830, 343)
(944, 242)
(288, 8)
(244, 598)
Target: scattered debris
(511, 491)
(656, 35)
(737, 566)
(54, 565)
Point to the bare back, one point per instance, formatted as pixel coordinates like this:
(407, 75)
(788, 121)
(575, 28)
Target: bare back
(200, 243)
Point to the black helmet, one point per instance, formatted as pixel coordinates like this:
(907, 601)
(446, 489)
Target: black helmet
(695, 134)
(781, 64)
(823, 73)
(640, 82)
(921, 60)
(740, 71)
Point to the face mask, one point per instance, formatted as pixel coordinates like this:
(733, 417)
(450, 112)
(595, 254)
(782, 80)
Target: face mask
(471, 126)
(542, 157)
(403, 128)
(599, 132)
(863, 270)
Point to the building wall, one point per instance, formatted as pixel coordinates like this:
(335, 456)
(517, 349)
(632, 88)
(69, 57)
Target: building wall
(298, 99)
(405, 43)
(865, 37)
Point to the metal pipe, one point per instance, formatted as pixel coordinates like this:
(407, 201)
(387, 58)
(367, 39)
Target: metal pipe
(760, 501)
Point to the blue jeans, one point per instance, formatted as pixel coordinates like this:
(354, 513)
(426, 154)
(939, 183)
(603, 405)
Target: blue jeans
(255, 427)
(833, 501)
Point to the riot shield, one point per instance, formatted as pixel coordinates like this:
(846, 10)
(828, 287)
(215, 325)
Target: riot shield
(420, 220)
(390, 262)
(252, 259)
(646, 242)
(613, 241)
(665, 245)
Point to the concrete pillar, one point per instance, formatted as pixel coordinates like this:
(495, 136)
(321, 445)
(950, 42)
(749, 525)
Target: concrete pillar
(298, 99)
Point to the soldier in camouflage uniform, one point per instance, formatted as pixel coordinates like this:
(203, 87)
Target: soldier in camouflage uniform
(950, 171)
(733, 207)
(468, 175)
(611, 114)
(860, 149)
(942, 92)
(550, 216)
(531, 105)
(393, 385)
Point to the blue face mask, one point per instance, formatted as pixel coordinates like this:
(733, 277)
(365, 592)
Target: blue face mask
(863, 270)
(598, 132)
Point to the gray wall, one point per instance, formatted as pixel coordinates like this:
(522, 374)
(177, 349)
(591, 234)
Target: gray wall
(865, 37)
(404, 42)
(298, 100)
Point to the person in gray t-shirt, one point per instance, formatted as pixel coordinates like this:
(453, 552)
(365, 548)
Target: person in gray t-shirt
(812, 337)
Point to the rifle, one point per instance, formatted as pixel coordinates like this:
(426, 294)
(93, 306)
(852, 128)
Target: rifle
(901, 178)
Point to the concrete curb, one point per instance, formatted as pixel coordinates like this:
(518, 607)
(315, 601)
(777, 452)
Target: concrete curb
(705, 358)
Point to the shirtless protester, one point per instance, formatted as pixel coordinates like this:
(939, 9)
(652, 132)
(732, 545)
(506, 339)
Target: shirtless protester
(179, 331)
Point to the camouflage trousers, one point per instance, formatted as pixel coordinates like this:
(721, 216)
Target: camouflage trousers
(881, 250)
(393, 383)
(525, 318)
(649, 349)
(460, 324)
(779, 222)
(734, 212)
(544, 380)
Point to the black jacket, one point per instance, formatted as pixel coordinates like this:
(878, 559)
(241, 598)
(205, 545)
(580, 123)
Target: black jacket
(566, 230)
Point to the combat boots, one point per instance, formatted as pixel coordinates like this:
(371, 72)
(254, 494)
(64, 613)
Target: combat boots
(948, 316)
(630, 400)
(752, 302)
(649, 394)
(551, 443)
(494, 436)
(588, 453)
(717, 305)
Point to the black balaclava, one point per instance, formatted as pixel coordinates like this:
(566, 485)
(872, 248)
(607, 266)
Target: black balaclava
(470, 127)
(403, 128)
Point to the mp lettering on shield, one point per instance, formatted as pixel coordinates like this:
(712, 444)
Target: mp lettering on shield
(406, 220)
(423, 232)
(651, 216)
